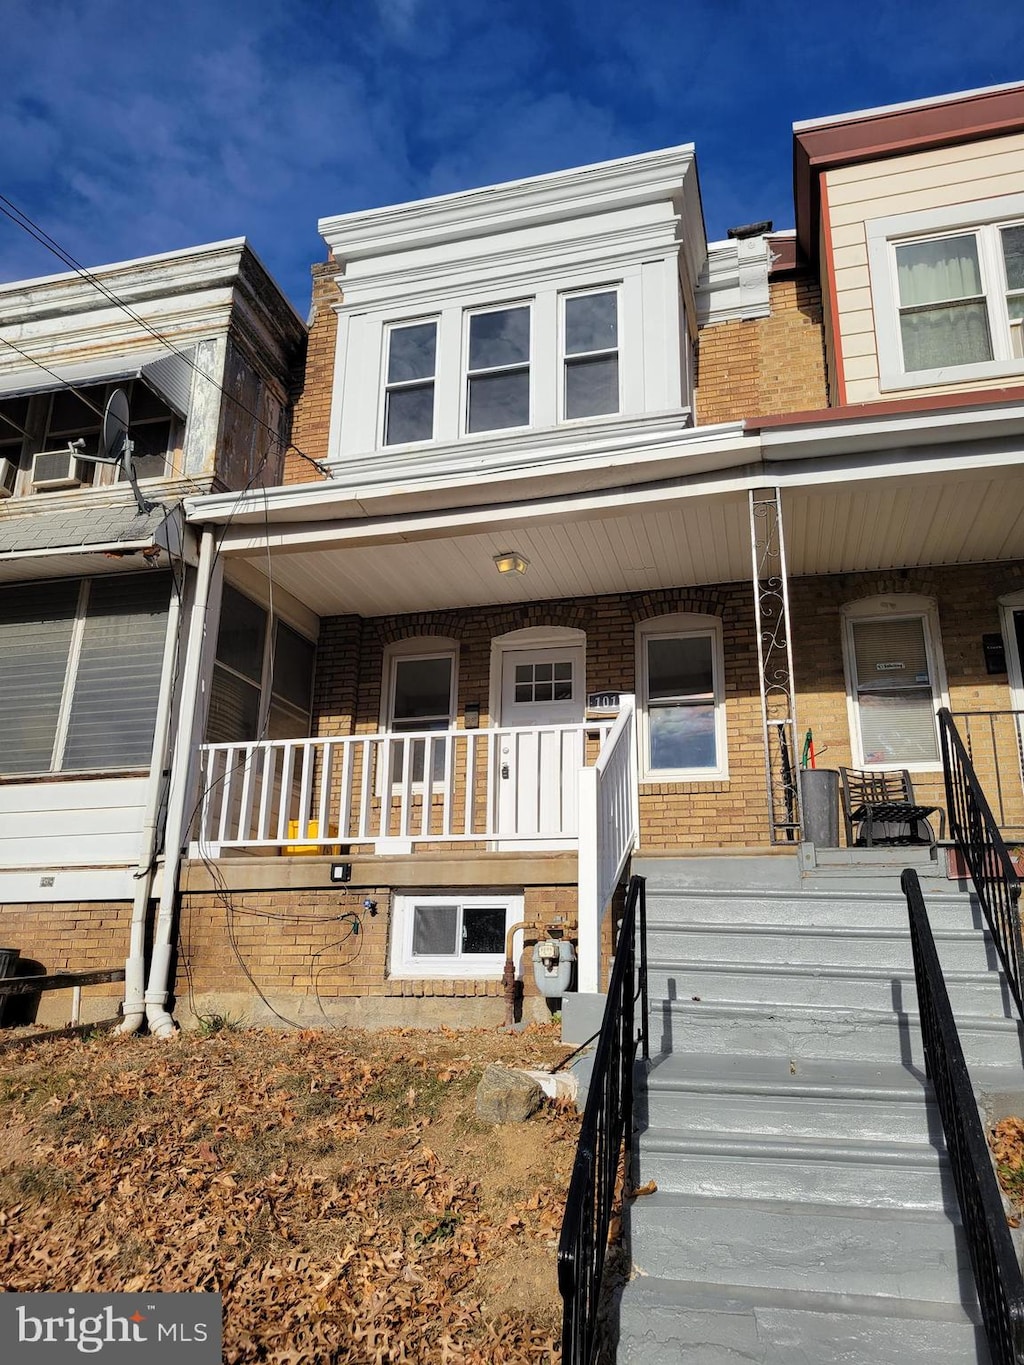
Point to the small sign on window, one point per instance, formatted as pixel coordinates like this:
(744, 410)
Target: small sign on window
(888, 668)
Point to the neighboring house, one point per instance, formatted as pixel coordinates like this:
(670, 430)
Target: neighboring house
(96, 593)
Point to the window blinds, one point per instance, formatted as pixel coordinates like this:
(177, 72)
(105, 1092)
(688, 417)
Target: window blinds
(895, 699)
(35, 639)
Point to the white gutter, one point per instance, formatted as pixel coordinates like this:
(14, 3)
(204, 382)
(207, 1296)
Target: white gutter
(161, 1024)
(134, 1009)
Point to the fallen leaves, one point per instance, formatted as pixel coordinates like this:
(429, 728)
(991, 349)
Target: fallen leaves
(290, 1172)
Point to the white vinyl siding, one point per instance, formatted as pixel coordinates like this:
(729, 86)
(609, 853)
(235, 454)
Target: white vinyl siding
(895, 692)
(80, 673)
(958, 180)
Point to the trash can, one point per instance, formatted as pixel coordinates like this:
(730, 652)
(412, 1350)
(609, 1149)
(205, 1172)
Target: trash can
(819, 792)
(8, 957)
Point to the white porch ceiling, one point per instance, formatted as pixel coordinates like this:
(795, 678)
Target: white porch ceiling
(830, 528)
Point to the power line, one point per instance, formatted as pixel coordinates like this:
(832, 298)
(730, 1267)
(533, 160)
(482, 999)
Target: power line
(22, 220)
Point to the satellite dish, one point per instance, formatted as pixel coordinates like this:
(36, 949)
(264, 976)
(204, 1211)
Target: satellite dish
(114, 432)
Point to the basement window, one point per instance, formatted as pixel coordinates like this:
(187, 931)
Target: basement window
(446, 936)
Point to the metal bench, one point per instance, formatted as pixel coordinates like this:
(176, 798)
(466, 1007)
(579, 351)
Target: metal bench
(873, 799)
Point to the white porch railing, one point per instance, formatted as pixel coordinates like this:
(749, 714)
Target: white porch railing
(444, 786)
(609, 826)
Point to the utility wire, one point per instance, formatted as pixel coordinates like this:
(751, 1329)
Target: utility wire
(40, 235)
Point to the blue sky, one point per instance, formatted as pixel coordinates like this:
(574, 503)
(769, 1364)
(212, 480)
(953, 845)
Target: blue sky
(132, 129)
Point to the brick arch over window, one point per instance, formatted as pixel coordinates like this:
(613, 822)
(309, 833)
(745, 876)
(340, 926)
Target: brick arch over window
(678, 601)
(540, 614)
(391, 629)
(860, 586)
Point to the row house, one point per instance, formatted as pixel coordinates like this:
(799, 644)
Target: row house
(611, 516)
(580, 524)
(191, 355)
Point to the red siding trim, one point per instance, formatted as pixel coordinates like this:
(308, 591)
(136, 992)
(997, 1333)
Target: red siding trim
(833, 298)
(892, 407)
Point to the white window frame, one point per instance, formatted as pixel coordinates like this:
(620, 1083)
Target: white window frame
(681, 625)
(481, 966)
(416, 647)
(983, 219)
(897, 607)
(385, 387)
(265, 683)
(565, 360)
(506, 306)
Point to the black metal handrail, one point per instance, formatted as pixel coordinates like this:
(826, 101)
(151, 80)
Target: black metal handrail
(607, 1122)
(974, 828)
(996, 1270)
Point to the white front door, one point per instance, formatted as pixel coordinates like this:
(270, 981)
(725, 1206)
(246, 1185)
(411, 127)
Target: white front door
(537, 763)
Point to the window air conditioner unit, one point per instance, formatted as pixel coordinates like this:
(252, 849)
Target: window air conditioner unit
(8, 476)
(56, 469)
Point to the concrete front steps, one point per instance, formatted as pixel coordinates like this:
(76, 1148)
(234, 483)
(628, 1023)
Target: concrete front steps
(804, 1212)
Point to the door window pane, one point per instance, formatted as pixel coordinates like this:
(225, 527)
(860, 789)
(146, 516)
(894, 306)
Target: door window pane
(242, 635)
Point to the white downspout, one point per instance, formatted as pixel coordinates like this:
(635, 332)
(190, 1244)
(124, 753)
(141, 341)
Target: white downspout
(161, 1024)
(134, 1008)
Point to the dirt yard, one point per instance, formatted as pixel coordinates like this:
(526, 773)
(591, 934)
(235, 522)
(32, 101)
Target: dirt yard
(335, 1187)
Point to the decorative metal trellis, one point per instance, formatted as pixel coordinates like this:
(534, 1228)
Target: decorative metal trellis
(775, 664)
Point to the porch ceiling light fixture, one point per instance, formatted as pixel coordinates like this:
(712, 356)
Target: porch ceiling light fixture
(511, 561)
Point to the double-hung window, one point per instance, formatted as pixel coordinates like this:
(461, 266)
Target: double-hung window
(949, 293)
(498, 370)
(591, 360)
(80, 665)
(409, 388)
(894, 685)
(683, 713)
(420, 690)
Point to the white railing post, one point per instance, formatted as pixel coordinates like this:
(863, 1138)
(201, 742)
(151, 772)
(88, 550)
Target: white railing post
(588, 911)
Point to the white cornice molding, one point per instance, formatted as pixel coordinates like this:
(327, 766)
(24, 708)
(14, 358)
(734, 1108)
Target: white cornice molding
(559, 195)
(558, 202)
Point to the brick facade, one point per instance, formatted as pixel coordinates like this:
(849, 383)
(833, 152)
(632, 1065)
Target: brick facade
(766, 365)
(302, 946)
(311, 418)
(70, 936)
(297, 944)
